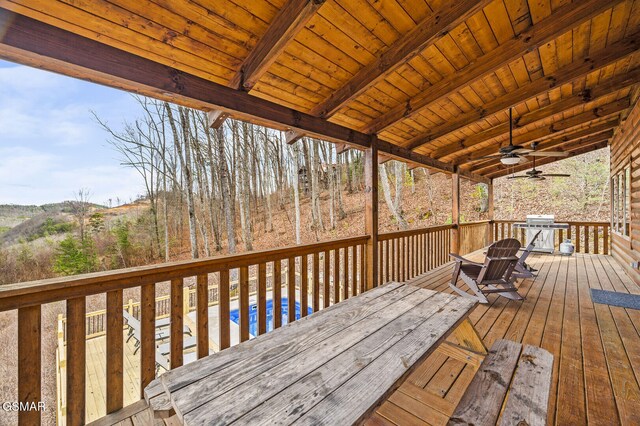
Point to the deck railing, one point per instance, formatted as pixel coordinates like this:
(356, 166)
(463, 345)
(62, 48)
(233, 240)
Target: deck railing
(474, 236)
(587, 237)
(405, 254)
(316, 275)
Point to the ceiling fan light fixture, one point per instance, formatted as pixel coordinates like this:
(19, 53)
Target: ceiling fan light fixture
(510, 161)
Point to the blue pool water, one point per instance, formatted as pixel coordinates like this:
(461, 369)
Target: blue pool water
(234, 315)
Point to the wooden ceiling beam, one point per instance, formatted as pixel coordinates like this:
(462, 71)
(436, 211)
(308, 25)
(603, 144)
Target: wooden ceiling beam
(565, 75)
(584, 96)
(216, 118)
(35, 43)
(572, 153)
(583, 118)
(556, 144)
(292, 17)
(428, 31)
(559, 22)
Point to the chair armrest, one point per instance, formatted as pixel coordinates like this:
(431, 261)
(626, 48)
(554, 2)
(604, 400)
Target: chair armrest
(459, 258)
(512, 258)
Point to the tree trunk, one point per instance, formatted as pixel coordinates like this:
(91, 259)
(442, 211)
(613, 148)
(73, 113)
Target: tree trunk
(296, 191)
(227, 201)
(402, 224)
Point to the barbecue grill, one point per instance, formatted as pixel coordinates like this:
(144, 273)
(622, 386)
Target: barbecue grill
(545, 223)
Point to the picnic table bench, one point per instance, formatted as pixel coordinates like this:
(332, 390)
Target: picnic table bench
(512, 380)
(333, 367)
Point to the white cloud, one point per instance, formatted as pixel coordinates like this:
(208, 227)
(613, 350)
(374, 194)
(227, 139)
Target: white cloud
(50, 146)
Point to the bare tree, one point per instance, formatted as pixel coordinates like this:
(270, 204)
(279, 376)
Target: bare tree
(79, 207)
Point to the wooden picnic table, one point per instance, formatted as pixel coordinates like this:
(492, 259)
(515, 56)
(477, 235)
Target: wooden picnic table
(332, 367)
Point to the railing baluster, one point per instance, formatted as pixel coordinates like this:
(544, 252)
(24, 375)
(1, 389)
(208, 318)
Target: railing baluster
(244, 304)
(304, 285)
(202, 314)
(586, 239)
(577, 238)
(262, 298)
(354, 271)
(596, 240)
(115, 358)
(224, 328)
(316, 282)
(29, 362)
(291, 289)
(76, 360)
(362, 269)
(326, 279)
(387, 265)
(605, 239)
(147, 335)
(336, 275)
(276, 288)
(345, 273)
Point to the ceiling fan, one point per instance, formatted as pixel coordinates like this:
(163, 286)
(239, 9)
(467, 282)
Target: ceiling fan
(512, 154)
(535, 174)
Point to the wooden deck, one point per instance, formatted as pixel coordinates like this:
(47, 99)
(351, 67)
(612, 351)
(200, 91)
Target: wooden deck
(596, 347)
(596, 378)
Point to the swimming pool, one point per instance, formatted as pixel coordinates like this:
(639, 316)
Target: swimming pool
(234, 315)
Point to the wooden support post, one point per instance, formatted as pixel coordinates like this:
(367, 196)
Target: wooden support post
(455, 212)
(202, 314)
(29, 358)
(490, 211)
(76, 360)
(115, 357)
(177, 321)
(371, 212)
(147, 335)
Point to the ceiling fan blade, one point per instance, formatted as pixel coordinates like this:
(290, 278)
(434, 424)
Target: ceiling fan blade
(488, 156)
(555, 175)
(548, 154)
(521, 151)
(517, 177)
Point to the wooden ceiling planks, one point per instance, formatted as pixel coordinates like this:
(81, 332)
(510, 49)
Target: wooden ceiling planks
(376, 65)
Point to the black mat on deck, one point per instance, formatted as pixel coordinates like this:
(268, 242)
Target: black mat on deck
(624, 300)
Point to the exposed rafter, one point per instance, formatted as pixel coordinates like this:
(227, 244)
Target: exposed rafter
(428, 31)
(562, 20)
(38, 44)
(291, 18)
(562, 143)
(41, 45)
(581, 119)
(588, 95)
(565, 75)
(572, 152)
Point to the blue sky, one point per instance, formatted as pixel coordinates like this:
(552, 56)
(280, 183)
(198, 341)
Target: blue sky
(50, 145)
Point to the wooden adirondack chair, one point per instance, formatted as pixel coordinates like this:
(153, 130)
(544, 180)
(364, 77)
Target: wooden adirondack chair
(495, 275)
(522, 270)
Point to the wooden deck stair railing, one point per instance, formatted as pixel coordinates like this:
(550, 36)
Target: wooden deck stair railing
(587, 237)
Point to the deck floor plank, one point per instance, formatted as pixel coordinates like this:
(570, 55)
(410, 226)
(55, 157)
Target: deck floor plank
(596, 347)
